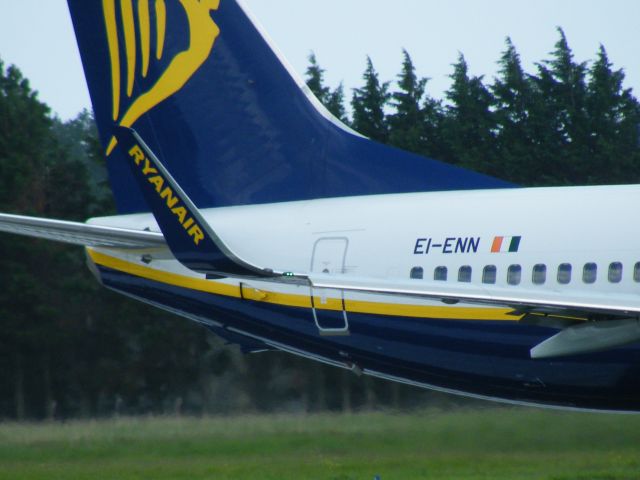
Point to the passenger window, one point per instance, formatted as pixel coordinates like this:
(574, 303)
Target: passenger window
(615, 272)
(589, 273)
(539, 276)
(464, 274)
(417, 273)
(440, 274)
(489, 274)
(564, 273)
(636, 272)
(514, 275)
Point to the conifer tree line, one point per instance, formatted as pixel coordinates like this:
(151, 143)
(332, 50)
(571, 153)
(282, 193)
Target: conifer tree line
(70, 348)
(567, 123)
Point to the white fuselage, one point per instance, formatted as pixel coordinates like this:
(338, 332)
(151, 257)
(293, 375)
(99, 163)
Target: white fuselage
(385, 237)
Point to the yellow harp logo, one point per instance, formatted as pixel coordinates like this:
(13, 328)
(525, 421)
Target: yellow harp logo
(203, 33)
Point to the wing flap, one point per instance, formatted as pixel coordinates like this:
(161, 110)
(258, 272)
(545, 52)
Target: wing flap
(589, 337)
(76, 233)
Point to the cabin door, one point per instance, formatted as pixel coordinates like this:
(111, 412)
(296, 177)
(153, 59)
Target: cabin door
(327, 305)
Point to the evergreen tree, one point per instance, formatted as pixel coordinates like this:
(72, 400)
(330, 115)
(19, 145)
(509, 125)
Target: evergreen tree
(335, 104)
(79, 137)
(315, 79)
(24, 127)
(433, 132)
(471, 125)
(513, 98)
(614, 119)
(368, 104)
(68, 347)
(406, 124)
(559, 117)
(333, 100)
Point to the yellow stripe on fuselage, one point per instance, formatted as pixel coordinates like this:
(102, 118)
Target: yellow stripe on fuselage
(174, 279)
(303, 301)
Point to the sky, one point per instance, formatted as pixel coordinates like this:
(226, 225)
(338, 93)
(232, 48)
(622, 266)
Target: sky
(37, 36)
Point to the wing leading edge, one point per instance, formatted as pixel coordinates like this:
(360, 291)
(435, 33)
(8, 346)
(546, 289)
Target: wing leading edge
(77, 233)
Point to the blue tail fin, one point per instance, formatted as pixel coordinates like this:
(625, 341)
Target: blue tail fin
(187, 233)
(201, 84)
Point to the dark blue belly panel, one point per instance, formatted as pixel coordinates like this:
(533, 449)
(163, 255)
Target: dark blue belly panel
(481, 358)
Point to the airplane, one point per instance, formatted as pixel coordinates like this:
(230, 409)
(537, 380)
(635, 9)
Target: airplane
(245, 206)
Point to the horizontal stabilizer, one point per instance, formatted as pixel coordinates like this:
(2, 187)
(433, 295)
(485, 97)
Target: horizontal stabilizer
(589, 337)
(80, 233)
(190, 238)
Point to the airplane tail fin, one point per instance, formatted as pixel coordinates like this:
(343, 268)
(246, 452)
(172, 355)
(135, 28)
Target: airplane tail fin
(204, 87)
(191, 240)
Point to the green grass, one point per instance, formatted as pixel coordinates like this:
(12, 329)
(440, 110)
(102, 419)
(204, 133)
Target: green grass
(486, 444)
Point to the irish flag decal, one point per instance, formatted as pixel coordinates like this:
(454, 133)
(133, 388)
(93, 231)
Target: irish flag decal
(505, 244)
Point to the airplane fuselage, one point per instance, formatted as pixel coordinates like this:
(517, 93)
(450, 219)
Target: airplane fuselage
(547, 244)
(316, 245)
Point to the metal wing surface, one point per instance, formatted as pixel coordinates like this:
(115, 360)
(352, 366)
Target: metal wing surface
(525, 303)
(76, 233)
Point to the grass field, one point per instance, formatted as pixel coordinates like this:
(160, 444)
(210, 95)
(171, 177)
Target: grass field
(478, 444)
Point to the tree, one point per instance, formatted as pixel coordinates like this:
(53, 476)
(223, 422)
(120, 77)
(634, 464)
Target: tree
(333, 100)
(24, 127)
(513, 99)
(559, 117)
(471, 124)
(335, 104)
(315, 79)
(369, 103)
(614, 119)
(408, 120)
(79, 138)
(71, 348)
(433, 131)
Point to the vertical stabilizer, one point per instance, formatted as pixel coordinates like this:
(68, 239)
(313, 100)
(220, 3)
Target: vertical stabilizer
(200, 83)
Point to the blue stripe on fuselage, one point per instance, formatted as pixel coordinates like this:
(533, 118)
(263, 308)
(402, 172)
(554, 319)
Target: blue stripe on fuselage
(488, 359)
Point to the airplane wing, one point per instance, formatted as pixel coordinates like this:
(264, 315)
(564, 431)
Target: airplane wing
(560, 304)
(77, 233)
(586, 326)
